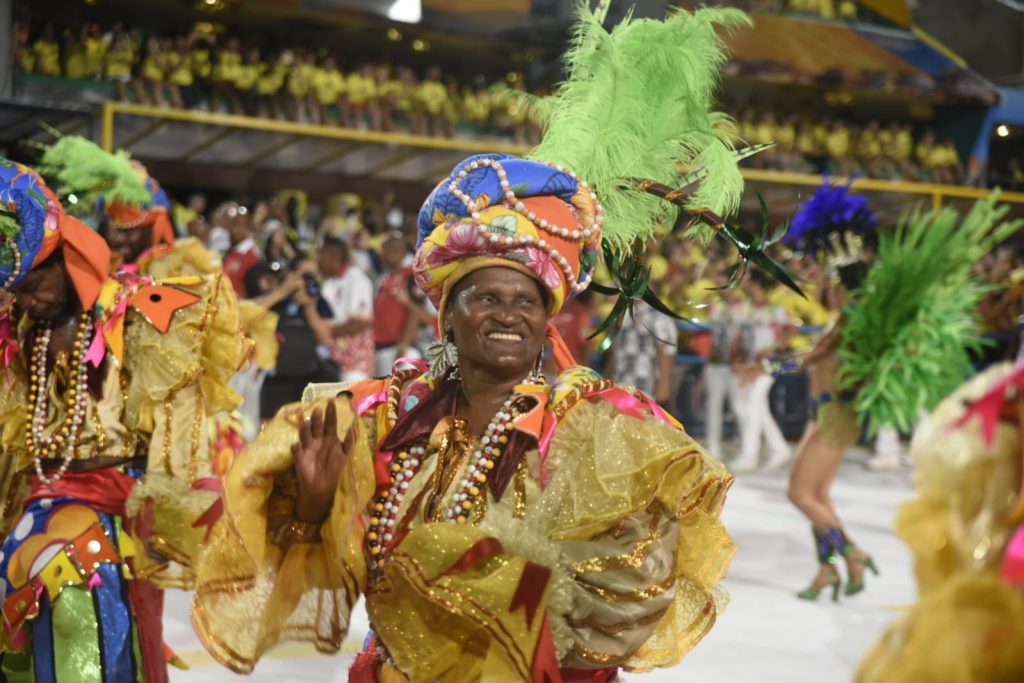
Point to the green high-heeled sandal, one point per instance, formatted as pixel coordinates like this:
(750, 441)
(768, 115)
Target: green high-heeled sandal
(858, 558)
(828, 575)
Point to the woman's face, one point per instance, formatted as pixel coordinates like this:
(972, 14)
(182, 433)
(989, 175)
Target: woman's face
(129, 243)
(497, 316)
(45, 293)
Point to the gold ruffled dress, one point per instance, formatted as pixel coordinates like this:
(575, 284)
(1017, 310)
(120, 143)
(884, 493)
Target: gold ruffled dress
(97, 528)
(968, 624)
(602, 550)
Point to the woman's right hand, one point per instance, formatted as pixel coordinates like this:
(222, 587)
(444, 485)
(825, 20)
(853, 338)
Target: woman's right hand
(319, 457)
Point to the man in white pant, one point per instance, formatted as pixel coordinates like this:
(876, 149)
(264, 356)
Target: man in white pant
(718, 380)
(764, 327)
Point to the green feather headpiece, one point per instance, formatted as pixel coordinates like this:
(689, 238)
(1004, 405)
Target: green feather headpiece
(637, 103)
(911, 325)
(80, 167)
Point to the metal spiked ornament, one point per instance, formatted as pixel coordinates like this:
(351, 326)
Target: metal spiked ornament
(631, 280)
(751, 249)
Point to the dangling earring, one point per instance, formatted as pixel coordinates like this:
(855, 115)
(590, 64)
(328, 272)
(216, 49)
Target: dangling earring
(443, 358)
(537, 374)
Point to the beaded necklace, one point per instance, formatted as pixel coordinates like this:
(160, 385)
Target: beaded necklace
(65, 438)
(471, 489)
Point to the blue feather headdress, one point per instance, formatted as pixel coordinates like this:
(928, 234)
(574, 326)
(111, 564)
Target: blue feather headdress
(828, 215)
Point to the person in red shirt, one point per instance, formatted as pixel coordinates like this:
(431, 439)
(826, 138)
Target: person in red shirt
(575, 322)
(399, 308)
(244, 253)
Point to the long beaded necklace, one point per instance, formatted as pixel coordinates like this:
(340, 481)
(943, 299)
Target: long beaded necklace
(65, 439)
(471, 488)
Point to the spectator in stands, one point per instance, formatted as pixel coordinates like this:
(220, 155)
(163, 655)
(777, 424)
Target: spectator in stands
(948, 165)
(399, 310)
(225, 72)
(304, 332)
(328, 90)
(407, 108)
(432, 97)
(644, 353)
(388, 90)
(575, 322)
(279, 247)
(476, 105)
(246, 77)
(180, 74)
(200, 52)
(244, 254)
(120, 61)
(839, 144)
(349, 293)
(47, 52)
(269, 85)
(361, 87)
(300, 85)
(95, 45)
(151, 85)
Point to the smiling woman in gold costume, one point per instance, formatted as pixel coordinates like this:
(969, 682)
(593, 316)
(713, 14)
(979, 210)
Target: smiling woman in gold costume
(501, 527)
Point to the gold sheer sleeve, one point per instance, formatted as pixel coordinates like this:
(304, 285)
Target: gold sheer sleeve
(639, 536)
(252, 593)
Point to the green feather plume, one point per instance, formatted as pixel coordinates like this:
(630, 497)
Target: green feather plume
(911, 326)
(637, 104)
(75, 165)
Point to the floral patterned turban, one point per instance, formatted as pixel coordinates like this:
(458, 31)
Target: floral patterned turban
(501, 210)
(33, 226)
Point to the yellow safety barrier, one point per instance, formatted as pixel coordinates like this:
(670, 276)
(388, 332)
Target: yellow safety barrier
(111, 109)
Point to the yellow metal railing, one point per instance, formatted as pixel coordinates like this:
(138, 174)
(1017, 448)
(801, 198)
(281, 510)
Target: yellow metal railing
(111, 109)
(935, 192)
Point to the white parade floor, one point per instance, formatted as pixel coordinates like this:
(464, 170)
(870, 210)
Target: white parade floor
(765, 636)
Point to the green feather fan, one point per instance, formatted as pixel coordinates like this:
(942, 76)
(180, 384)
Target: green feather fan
(637, 104)
(75, 165)
(911, 325)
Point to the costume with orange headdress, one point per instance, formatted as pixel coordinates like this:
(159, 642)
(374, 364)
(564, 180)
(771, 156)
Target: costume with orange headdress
(580, 534)
(106, 481)
(130, 199)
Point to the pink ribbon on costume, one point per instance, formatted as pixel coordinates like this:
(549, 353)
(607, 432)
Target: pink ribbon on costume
(989, 407)
(8, 340)
(543, 444)
(1012, 569)
(635, 405)
(370, 401)
(97, 349)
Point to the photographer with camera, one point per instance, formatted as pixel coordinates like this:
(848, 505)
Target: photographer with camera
(304, 331)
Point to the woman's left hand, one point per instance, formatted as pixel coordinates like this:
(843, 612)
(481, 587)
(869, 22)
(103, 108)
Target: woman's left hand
(319, 458)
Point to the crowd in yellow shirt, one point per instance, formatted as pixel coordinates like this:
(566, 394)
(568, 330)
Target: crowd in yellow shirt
(845, 10)
(202, 70)
(892, 150)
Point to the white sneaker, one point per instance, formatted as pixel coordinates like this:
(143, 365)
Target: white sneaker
(778, 462)
(884, 463)
(743, 465)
